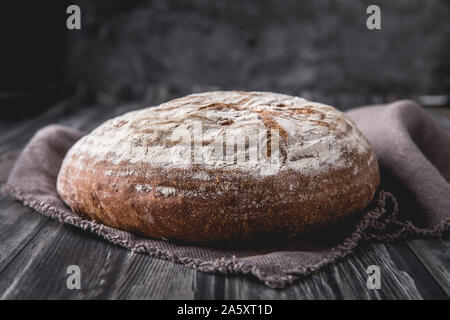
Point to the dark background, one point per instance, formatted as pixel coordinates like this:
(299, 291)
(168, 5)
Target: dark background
(132, 54)
(126, 50)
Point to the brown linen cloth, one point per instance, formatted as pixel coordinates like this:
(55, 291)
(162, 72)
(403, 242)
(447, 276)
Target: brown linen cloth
(413, 152)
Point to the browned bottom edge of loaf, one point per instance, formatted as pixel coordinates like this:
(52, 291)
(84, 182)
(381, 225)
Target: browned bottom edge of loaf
(229, 207)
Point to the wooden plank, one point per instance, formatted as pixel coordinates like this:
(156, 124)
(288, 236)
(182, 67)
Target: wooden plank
(39, 270)
(114, 272)
(396, 283)
(317, 286)
(347, 280)
(209, 286)
(325, 285)
(75, 113)
(22, 131)
(18, 225)
(75, 109)
(402, 267)
(144, 277)
(435, 256)
(19, 136)
(84, 119)
(405, 259)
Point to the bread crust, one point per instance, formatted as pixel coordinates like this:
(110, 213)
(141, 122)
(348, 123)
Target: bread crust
(201, 204)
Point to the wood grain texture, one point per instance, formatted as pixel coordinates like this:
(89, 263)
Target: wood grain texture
(435, 257)
(143, 277)
(318, 286)
(18, 224)
(107, 271)
(35, 251)
(347, 279)
(209, 286)
(39, 270)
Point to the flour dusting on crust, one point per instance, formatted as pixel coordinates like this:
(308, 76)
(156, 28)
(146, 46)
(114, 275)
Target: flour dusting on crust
(312, 136)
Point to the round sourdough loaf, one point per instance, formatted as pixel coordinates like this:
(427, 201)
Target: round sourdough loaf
(221, 166)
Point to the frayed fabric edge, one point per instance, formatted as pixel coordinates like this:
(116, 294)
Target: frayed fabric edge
(233, 266)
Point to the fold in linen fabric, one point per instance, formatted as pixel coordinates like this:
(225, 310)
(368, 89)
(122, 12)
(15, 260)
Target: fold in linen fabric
(413, 153)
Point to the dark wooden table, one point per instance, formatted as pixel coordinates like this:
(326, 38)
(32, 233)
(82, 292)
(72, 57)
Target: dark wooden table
(35, 251)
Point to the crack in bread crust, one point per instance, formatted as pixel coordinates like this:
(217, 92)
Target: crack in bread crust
(129, 174)
(307, 130)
